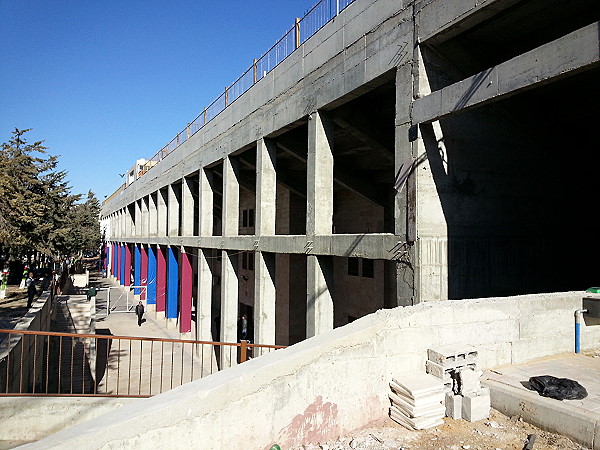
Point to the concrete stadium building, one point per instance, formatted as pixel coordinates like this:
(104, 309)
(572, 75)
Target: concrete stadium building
(406, 152)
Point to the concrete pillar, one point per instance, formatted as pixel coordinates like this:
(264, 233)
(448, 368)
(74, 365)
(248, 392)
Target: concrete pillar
(127, 263)
(172, 211)
(187, 207)
(229, 305)
(319, 189)
(161, 212)
(231, 197)
(266, 187)
(205, 199)
(185, 315)
(137, 224)
(144, 219)
(319, 303)
(161, 281)
(264, 298)
(152, 215)
(152, 280)
(172, 306)
(137, 270)
(144, 272)
(204, 312)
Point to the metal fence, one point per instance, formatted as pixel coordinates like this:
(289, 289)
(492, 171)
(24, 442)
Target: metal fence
(65, 364)
(303, 28)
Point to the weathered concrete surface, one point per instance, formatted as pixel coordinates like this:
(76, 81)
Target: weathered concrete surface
(297, 395)
(32, 418)
(577, 419)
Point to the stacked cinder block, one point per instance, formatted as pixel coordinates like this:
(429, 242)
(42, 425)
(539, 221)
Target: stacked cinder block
(456, 366)
(417, 401)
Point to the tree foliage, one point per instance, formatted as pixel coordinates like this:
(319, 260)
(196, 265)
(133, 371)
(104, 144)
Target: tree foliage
(37, 209)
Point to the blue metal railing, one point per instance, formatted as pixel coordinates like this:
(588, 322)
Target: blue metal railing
(303, 29)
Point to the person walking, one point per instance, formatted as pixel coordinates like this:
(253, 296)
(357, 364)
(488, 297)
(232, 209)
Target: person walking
(139, 311)
(31, 289)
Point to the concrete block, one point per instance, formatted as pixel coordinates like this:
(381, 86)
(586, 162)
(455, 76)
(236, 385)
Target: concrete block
(438, 371)
(468, 381)
(476, 406)
(453, 356)
(453, 406)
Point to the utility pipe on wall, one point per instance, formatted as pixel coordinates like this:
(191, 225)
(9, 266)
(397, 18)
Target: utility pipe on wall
(578, 314)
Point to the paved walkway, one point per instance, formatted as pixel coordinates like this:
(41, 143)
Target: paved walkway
(578, 419)
(142, 367)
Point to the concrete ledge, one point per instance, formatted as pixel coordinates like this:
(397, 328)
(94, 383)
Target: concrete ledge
(548, 414)
(33, 418)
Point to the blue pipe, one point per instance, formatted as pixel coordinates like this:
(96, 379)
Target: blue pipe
(578, 315)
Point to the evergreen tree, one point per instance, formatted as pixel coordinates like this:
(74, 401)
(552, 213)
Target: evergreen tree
(37, 209)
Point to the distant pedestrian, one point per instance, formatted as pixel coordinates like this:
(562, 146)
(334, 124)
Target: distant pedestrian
(31, 289)
(139, 312)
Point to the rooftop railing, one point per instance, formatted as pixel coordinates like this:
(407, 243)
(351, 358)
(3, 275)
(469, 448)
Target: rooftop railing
(303, 28)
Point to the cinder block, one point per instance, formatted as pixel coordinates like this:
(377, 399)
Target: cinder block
(468, 381)
(476, 406)
(453, 406)
(453, 356)
(438, 371)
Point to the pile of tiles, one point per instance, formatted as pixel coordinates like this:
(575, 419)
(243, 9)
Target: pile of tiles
(456, 367)
(417, 401)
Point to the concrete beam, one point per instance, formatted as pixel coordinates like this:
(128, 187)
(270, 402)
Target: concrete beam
(576, 52)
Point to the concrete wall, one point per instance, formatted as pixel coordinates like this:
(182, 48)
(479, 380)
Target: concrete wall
(27, 419)
(25, 348)
(296, 395)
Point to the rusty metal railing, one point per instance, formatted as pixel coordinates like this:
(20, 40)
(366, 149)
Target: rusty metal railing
(63, 364)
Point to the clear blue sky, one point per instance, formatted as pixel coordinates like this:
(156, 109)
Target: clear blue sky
(105, 82)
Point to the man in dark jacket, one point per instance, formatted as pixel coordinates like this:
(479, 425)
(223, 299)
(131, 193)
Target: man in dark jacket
(139, 311)
(31, 289)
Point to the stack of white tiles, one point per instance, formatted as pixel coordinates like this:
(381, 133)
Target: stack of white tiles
(417, 401)
(456, 366)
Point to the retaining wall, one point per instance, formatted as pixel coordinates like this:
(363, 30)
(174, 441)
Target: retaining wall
(335, 382)
(17, 351)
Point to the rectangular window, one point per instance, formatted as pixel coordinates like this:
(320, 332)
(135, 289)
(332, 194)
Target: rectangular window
(250, 217)
(244, 218)
(353, 266)
(368, 269)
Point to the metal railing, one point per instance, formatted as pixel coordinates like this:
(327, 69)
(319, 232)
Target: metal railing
(64, 364)
(303, 29)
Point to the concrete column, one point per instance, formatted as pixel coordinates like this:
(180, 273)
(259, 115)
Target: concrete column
(229, 305)
(187, 207)
(204, 312)
(144, 219)
(231, 197)
(161, 281)
(319, 303)
(185, 315)
(172, 211)
(161, 212)
(137, 270)
(152, 281)
(264, 298)
(172, 305)
(137, 224)
(205, 197)
(144, 272)
(152, 215)
(319, 165)
(266, 187)
(127, 273)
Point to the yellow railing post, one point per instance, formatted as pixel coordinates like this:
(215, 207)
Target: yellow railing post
(297, 28)
(254, 66)
(226, 96)
(243, 351)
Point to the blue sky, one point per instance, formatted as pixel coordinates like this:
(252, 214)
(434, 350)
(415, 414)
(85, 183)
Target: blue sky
(105, 82)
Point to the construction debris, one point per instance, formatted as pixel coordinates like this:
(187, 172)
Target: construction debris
(417, 401)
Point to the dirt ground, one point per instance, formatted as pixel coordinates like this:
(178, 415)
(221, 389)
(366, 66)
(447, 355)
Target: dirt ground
(13, 307)
(497, 433)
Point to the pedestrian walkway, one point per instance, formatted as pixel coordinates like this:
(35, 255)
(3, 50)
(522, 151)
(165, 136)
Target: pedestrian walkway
(578, 419)
(139, 366)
